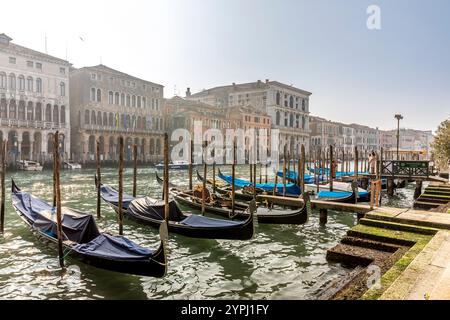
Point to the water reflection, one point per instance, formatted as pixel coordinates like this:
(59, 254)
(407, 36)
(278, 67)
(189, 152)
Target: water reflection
(282, 261)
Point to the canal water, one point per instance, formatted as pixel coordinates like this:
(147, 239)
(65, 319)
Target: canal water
(281, 262)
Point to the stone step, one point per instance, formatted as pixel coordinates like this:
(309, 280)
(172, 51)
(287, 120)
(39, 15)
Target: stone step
(355, 255)
(397, 226)
(370, 244)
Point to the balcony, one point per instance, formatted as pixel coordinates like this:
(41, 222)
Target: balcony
(31, 124)
(94, 127)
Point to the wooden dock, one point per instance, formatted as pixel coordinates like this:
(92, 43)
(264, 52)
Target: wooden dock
(316, 204)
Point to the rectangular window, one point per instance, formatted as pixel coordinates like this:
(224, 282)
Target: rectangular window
(12, 60)
(62, 70)
(93, 76)
(39, 65)
(30, 64)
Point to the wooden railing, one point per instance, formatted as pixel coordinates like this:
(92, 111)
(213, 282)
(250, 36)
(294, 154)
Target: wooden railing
(405, 169)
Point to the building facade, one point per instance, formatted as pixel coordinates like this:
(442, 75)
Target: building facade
(108, 104)
(287, 106)
(34, 102)
(409, 140)
(345, 137)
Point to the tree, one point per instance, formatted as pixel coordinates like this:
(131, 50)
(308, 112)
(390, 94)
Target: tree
(441, 144)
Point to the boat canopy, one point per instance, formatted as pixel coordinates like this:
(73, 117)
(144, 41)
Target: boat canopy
(111, 195)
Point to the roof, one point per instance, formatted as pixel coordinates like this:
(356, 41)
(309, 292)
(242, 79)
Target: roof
(27, 52)
(103, 68)
(249, 86)
(193, 103)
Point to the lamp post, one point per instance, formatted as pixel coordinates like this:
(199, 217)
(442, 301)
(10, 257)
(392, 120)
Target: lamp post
(398, 117)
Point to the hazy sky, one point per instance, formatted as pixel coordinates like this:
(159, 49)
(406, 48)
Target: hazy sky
(355, 74)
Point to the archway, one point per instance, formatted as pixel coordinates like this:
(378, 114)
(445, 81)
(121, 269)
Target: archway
(37, 146)
(21, 110)
(12, 146)
(26, 146)
(50, 143)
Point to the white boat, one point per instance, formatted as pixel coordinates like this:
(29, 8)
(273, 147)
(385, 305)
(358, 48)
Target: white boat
(70, 165)
(27, 165)
(176, 165)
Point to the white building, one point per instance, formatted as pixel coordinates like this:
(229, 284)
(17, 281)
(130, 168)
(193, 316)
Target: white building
(34, 102)
(287, 106)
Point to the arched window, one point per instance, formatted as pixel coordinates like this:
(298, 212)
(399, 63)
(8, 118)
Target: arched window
(38, 112)
(139, 101)
(152, 146)
(128, 100)
(286, 118)
(303, 104)
(133, 121)
(62, 89)
(111, 120)
(277, 120)
(303, 122)
(99, 118)
(105, 119)
(110, 97)
(116, 98)
(86, 117)
(122, 99)
(39, 85)
(30, 84)
(3, 80)
(158, 146)
(56, 114)
(128, 125)
(139, 122)
(21, 83)
(291, 120)
(144, 102)
(291, 102)
(12, 81)
(48, 113)
(63, 114)
(92, 94)
(161, 124)
(93, 120)
(99, 95)
(12, 109)
(22, 110)
(278, 98)
(30, 111)
(133, 101)
(3, 109)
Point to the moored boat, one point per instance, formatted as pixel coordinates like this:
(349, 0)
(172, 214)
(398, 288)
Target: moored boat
(83, 241)
(151, 212)
(27, 165)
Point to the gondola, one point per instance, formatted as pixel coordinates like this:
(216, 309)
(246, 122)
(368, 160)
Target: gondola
(292, 190)
(223, 208)
(239, 194)
(337, 196)
(151, 211)
(84, 242)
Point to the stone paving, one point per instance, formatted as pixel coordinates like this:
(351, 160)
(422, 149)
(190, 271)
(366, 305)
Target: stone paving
(428, 276)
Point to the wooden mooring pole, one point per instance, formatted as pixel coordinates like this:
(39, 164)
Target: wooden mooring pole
(205, 171)
(54, 174)
(418, 189)
(99, 181)
(2, 204)
(301, 169)
(214, 177)
(166, 177)
(323, 216)
(134, 169)
(120, 201)
(331, 171)
(284, 172)
(233, 177)
(318, 170)
(58, 200)
(191, 161)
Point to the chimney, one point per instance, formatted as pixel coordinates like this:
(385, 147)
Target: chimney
(188, 92)
(267, 80)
